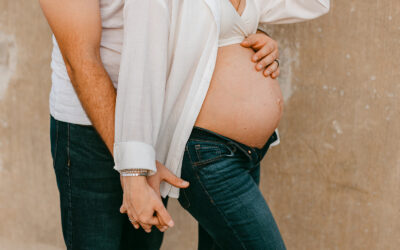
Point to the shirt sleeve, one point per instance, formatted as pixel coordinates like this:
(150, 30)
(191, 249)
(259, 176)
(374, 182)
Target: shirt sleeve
(141, 84)
(291, 11)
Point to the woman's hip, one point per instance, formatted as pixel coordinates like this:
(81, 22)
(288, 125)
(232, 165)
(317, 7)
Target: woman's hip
(223, 195)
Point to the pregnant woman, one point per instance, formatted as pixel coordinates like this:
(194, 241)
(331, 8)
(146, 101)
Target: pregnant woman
(190, 98)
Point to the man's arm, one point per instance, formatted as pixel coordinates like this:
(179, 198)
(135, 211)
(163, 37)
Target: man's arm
(76, 25)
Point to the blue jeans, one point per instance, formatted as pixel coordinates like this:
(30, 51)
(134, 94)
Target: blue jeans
(224, 196)
(91, 193)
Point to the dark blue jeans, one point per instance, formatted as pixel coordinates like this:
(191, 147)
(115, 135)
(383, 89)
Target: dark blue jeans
(224, 196)
(91, 193)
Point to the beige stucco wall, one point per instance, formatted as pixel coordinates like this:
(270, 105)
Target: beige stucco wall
(334, 181)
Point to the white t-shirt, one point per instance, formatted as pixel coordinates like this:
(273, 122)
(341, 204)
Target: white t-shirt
(64, 103)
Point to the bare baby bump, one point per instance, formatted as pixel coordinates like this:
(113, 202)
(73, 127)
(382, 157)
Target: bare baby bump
(241, 102)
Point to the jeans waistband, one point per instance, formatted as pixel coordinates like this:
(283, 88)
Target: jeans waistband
(254, 154)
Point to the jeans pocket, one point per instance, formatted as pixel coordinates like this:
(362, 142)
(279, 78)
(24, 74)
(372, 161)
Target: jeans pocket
(203, 153)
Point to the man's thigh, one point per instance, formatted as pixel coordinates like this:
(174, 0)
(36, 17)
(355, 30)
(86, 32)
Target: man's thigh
(91, 193)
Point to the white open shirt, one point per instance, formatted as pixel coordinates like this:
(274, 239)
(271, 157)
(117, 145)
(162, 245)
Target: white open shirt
(168, 58)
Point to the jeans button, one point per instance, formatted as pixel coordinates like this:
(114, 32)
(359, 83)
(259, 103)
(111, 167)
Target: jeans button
(249, 152)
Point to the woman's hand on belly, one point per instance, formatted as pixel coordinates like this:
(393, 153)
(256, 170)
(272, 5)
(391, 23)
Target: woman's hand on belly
(266, 53)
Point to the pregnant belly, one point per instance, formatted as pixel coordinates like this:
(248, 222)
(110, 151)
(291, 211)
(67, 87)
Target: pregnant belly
(241, 103)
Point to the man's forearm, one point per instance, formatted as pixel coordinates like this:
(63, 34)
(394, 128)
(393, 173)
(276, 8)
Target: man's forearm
(97, 96)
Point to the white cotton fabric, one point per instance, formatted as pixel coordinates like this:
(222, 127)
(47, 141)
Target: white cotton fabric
(235, 27)
(168, 58)
(64, 103)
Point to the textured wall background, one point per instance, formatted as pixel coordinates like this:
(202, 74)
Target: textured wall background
(334, 181)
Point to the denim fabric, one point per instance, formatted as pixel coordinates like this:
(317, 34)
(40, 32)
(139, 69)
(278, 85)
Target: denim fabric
(224, 196)
(91, 193)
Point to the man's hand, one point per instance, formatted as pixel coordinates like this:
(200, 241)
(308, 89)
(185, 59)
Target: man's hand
(154, 181)
(266, 53)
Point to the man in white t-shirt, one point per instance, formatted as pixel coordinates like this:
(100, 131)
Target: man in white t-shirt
(86, 55)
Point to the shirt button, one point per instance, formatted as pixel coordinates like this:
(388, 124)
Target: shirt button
(249, 152)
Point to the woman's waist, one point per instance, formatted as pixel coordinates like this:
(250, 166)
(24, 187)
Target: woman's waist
(207, 141)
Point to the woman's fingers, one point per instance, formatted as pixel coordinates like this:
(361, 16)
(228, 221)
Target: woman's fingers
(133, 218)
(272, 68)
(146, 222)
(252, 41)
(122, 209)
(134, 222)
(267, 61)
(276, 73)
(266, 50)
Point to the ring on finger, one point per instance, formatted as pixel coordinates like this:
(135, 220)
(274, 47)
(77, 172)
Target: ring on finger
(132, 220)
(277, 61)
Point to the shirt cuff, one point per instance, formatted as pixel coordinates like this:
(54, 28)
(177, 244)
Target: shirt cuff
(134, 154)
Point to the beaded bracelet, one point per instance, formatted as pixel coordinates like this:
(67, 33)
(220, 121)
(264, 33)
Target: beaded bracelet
(134, 172)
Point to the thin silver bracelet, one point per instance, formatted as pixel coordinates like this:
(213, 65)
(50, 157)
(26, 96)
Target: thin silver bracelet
(134, 172)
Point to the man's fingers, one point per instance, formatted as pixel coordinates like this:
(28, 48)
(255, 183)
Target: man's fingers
(150, 221)
(147, 223)
(162, 226)
(146, 227)
(271, 69)
(174, 180)
(164, 216)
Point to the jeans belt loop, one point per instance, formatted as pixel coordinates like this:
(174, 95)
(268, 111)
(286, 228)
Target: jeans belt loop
(231, 148)
(236, 146)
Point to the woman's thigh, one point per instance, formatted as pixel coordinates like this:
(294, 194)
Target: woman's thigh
(226, 201)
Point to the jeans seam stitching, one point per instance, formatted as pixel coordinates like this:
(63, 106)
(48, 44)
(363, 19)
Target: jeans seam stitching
(56, 144)
(205, 162)
(69, 188)
(186, 198)
(218, 152)
(222, 214)
(188, 152)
